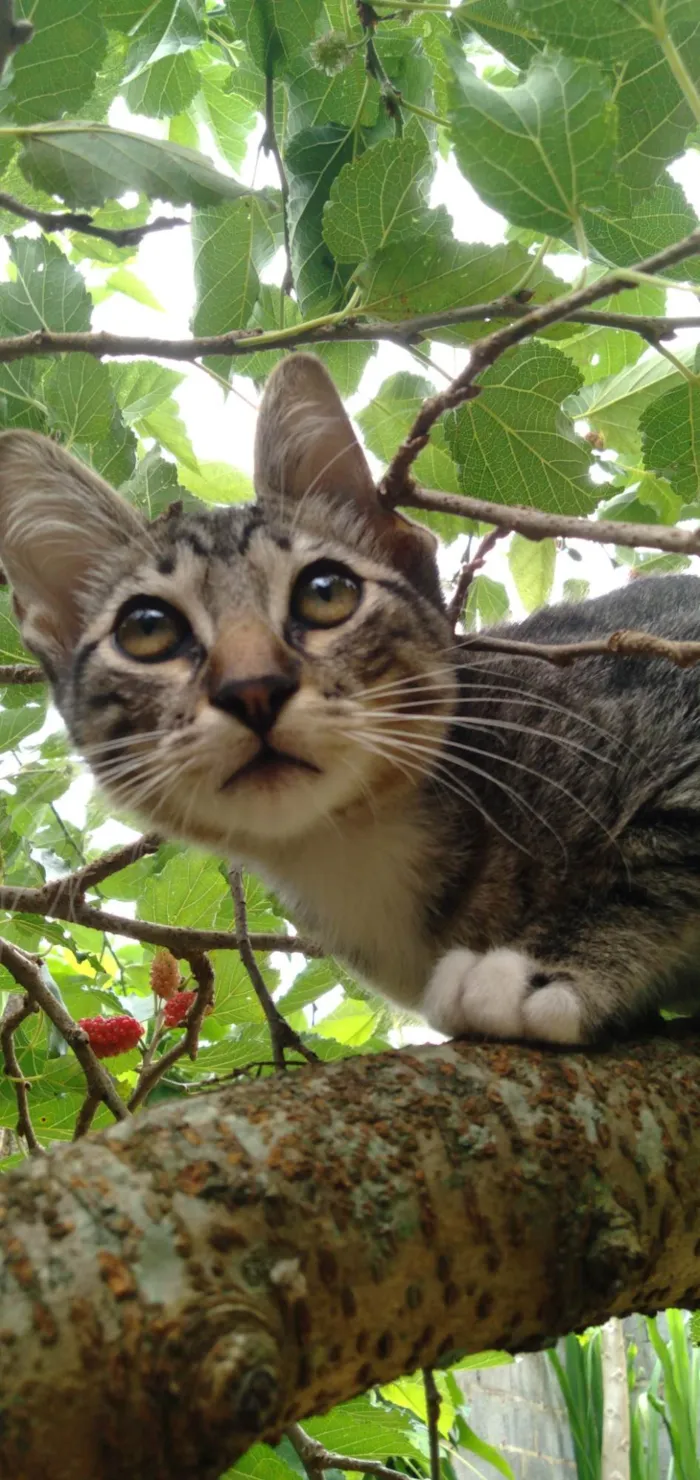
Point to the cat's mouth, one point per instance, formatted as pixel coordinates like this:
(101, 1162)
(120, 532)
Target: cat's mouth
(271, 763)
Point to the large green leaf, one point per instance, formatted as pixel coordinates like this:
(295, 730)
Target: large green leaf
(92, 163)
(229, 116)
(600, 352)
(641, 227)
(614, 406)
(22, 401)
(540, 151)
(605, 32)
(314, 157)
(47, 293)
(670, 428)
(378, 199)
(366, 1431)
(56, 73)
(385, 423)
(532, 565)
(314, 98)
(513, 443)
(497, 23)
(80, 398)
(274, 30)
(165, 88)
(142, 386)
(189, 889)
(231, 244)
(653, 118)
(164, 29)
(434, 273)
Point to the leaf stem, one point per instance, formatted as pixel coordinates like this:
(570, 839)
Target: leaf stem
(675, 60)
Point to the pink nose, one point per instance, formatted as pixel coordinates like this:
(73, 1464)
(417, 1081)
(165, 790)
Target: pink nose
(255, 702)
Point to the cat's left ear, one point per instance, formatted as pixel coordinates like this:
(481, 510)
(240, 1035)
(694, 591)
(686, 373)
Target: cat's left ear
(59, 524)
(305, 444)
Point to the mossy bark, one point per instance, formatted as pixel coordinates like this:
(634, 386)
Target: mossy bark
(200, 1276)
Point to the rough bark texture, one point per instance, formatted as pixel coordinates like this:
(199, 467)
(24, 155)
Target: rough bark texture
(196, 1278)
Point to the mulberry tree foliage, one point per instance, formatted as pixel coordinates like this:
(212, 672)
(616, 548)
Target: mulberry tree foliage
(567, 120)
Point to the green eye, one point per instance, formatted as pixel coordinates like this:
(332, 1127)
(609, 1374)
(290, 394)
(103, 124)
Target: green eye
(150, 630)
(325, 595)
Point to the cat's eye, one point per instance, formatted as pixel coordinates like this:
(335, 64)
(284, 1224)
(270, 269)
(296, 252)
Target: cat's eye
(325, 595)
(151, 630)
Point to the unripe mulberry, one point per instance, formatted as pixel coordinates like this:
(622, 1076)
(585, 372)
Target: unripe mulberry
(165, 975)
(177, 1008)
(113, 1035)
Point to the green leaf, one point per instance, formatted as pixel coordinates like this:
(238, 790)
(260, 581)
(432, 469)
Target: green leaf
(261, 1463)
(80, 399)
(47, 294)
(653, 118)
(472, 1444)
(142, 386)
(126, 282)
(670, 428)
(514, 444)
(313, 98)
(229, 117)
(500, 27)
(154, 485)
(365, 1430)
(638, 230)
(217, 483)
(165, 28)
(21, 397)
(532, 565)
(614, 406)
(91, 163)
(385, 423)
(353, 1022)
(165, 88)
(538, 152)
(56, 73)
(604, 32)
(12, 649)
(189, 889)
(314, 158)
(231, 245)
(600, 352)
(16, 724)
(435, 273)
(274, 30)
(377, 199)
(488, 600)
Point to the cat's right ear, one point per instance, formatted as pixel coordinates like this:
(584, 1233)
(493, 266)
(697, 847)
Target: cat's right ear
(59, 522)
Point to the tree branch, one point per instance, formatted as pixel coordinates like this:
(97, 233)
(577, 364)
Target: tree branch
(13, 34)
(397, 480)
(619, 644)
(281, 1035)
(17, 1009)
(203, 974)
(269, 145)
(469, 569)
(316, 1458)
(29, 974)
(225, 1266)
(536, 525)
(432, 1407)
(21, 673)
(119, 236)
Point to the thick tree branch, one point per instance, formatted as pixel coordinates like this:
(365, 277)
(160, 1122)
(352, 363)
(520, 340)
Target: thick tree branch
(17, 1009)
(21, 673)
(119, 236)
(29, 974)
(397, 480)
(218, 1266)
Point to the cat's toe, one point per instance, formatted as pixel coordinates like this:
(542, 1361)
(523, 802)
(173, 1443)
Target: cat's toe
(552, 1014)
(479, 994)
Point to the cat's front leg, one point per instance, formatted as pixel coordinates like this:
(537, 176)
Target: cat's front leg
(504, 994)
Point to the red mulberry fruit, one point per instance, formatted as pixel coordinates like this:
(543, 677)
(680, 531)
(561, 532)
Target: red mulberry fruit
(177, 1008)
(111, 1035)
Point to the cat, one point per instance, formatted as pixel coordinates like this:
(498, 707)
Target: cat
(506, 847)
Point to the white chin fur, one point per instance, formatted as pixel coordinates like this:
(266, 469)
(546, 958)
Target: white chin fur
(491, 995)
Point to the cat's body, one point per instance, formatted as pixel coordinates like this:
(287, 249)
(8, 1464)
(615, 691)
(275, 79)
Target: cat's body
(503, 845)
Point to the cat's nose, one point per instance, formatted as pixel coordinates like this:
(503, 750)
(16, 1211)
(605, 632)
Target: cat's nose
(256, 702)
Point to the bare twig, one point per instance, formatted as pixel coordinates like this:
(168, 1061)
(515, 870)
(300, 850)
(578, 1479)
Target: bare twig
(316, 1458)
(86, 1115)
(17, 1009)
(468, 571)
(618, 644)
(102, 868)
(119, 236)
(281, 1034)
(397, 480)
(269, 145)
(432, 1405)
(404, 332)
(29, 973)
(536, 525)
(151, 1073)
(13, 34)
(21, 673)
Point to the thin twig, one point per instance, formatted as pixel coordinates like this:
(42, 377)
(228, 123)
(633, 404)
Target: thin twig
(86, 1115)
(619, 644)
(397, 480)
(30, 974)
(432, 1404)
(269, 145)
(282, 1036)
(99, 869)
(21, 673)
(119, 236)
(13, 34)
(315, 1456)
(17, 1009)
(468, 571)
(152, 1072)
(536, 525)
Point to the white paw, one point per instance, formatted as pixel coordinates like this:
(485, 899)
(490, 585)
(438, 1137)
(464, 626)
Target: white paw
(493, 995)
(478, 994)
(553, 1014)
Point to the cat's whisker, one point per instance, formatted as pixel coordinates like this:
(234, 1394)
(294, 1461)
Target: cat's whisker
(488, 723)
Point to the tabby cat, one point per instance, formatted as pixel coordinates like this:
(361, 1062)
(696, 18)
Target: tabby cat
(506, 847)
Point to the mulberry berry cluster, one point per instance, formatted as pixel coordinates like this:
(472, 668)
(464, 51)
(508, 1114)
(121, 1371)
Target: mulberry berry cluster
(177, 1008)
(111, 1035)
